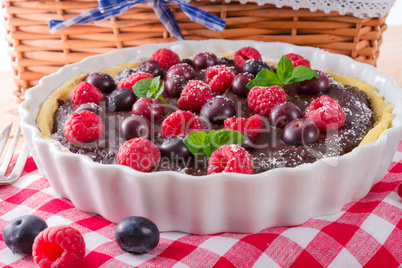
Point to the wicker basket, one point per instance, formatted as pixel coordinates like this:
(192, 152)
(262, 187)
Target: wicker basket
(36, 53)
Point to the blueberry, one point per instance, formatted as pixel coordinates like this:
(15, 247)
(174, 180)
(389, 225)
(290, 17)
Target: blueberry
(174, 86)
(182, 69)
(148, 108)
(19, 234)
(136, 235)
(217, 109)
(174, 149)
(300, 132)
(92, 107)
(103, 81)
(151, 66)
(121, 99)
(239, 83)
(136, 126)
(315, 85)
(283, 113)
(254, 66)
(204, 60)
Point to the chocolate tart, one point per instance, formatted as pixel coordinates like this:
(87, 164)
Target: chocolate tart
(219, 202)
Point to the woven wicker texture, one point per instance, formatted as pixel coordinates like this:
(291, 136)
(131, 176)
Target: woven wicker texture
(36, 53)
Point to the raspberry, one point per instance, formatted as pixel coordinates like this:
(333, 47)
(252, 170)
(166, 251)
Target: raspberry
(130, 81)
(244, 54)
(235, 123)
(84, 92)
(326, 113)
(60, 246)
(165, 57)
(219, 77)
(251, 125)
(83, 127)
(298, 60)
(263, 99)
(194, 95)
(230, 158)
(139, 153)
(180, 123)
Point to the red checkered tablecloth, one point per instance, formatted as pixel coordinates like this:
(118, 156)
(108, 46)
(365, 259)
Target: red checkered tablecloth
(366, 233)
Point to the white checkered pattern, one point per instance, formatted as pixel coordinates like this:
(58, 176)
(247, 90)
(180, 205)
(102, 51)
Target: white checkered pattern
(365, 233)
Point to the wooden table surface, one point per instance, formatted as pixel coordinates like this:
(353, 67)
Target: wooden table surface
(390, 63)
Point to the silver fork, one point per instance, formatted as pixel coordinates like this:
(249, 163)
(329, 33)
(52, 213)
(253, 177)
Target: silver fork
(22, 158)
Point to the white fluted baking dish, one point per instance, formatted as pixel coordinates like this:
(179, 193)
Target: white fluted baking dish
(219, 202)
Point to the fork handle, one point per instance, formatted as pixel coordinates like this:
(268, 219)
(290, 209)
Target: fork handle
(19, 166)
(10, 152)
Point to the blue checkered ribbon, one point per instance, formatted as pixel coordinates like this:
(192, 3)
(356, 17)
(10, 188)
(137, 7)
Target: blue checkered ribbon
(112, 8)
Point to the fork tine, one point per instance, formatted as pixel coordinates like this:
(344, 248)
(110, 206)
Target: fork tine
(10, 152)
(19, 166)
(4, 137)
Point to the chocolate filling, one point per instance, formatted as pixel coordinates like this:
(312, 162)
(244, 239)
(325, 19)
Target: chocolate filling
(268, 149)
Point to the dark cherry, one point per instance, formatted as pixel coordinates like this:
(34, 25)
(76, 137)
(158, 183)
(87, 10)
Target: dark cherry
(315, 85)
(121, 99)
(174, 86)
(151, 66)
(19, 234)
(136, 126)
(182, 69)
(103, 81)
(249, 142)
(254, 66)
(188, 61)
(217, 109)
(148, 108)
(174, 149)
(204, 60)
(136, 235)
(300, 132)
(124, 74)
(291, 88)
(92, 107)
(239, 83)
(284, 113)
(228, 62)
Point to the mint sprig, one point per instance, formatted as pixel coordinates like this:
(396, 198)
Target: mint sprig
(285, 74)
(204, 144)
(151, 88)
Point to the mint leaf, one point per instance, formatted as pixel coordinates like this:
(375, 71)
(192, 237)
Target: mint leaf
(265, 78)
(151, 88)
(160, 91)
(209, 147)
(228, 136)
(150, 94)
(285, 74)
(202, 144)
(157, 87)
(302, 73)
(155, 82)
(142, 87)
(284, 69)
(216, 139)
(195, 143)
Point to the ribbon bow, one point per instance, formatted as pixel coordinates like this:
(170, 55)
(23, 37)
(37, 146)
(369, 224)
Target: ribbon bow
(112, 8)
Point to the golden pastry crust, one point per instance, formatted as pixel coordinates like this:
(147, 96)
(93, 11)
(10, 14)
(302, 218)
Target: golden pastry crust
(49, 107)
(381, 109)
